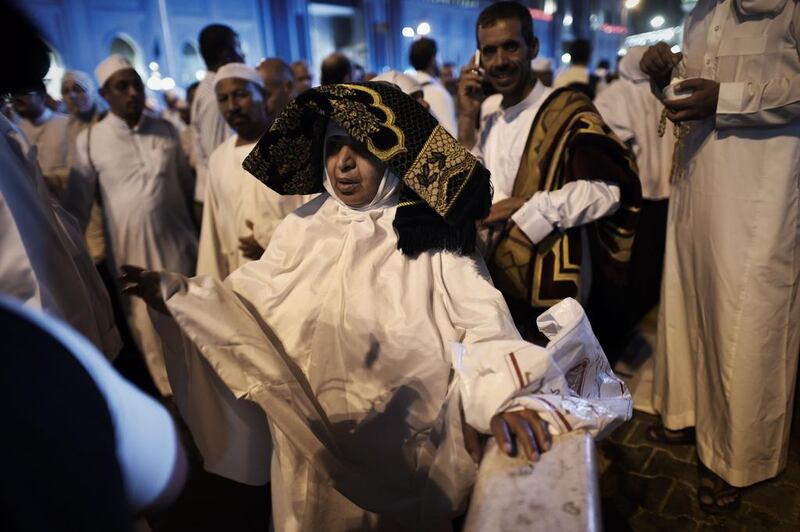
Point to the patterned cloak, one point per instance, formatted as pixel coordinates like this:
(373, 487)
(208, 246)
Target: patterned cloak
(568, 141)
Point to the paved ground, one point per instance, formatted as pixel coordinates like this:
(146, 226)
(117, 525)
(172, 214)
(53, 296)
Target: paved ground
(650, 487)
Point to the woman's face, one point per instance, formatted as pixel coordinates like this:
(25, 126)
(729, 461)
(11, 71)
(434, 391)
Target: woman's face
(354, 173)
(75, 97)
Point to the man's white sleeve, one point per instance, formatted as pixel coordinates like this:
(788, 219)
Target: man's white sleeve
(575, 204)
(774, 102)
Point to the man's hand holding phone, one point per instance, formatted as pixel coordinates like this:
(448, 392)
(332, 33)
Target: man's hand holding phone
(469, 99)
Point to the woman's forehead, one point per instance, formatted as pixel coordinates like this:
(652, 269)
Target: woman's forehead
(345, 140)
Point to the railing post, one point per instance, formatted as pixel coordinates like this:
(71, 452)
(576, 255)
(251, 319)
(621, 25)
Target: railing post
(559, 492)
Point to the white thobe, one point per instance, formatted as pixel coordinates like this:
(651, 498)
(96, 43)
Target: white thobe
(142, 177)
(95, 239)
(49, 134)
(234, 197)
(631, 110)
(187, 143)
(442, 106)
(210, 130)
(43, 262)
(173, 116)
(361, 358)
(728, 335)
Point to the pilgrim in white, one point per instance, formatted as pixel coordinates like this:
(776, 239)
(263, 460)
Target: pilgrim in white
(368, 324)
(240, 214)
(44, 263)
(136, 163)
(47, 130)
(219, 45)
(728, 340)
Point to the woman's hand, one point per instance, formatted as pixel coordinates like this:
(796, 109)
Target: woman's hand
(529, 432)
(248, 245)
(145, 284)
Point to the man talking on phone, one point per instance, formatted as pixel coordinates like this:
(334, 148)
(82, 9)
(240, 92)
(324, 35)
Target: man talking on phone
(566, 190)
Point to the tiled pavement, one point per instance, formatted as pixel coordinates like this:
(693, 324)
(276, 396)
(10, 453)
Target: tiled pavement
(650, 487)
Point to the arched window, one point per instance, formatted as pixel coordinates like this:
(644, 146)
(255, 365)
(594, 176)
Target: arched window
(124, 45)
(191, 67)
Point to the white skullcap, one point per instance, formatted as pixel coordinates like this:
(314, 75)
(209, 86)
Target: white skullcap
(406, 83)
(110, 66)
(542, 64)
(239, 71)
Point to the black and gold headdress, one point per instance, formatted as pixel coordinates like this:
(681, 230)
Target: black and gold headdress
(446, 190)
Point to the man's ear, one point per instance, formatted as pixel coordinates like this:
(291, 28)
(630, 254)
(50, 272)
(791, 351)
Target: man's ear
(533, 50)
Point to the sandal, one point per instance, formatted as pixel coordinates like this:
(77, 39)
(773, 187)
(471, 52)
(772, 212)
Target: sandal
(716, 496)
(661, 434)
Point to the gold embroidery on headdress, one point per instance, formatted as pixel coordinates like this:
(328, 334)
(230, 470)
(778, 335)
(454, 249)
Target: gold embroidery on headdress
(441, 160)
(291, 156)
(356, 118)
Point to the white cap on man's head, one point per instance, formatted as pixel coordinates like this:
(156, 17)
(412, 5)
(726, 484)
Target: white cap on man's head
(406, 83)
(110, 66)
(542, 64)
(239, 71)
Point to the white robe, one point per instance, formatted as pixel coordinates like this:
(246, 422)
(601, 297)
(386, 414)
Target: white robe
(95, 239)
(143, 180)
(362, 357)
(234, 196)
(210, 130)
(729, 334)
(631, 110)
(441, 103)
(43, 262)
(49, 134)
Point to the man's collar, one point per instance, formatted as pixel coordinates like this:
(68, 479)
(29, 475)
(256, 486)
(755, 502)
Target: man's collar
(120, 122)
(532, 97)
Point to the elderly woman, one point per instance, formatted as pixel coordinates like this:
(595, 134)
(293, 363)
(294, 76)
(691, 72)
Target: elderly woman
(85, 109)
(370, 328)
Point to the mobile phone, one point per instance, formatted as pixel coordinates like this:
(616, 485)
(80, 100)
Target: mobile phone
(486, 87)
(476, 60)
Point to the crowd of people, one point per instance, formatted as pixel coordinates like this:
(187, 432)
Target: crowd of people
(328, 297)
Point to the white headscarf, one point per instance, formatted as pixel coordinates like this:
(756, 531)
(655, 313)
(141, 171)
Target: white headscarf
(388, 190)
(82, 80)
(629, 65)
